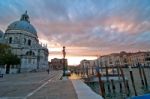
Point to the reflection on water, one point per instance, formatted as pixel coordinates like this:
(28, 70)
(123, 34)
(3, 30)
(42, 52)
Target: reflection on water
(74, 76)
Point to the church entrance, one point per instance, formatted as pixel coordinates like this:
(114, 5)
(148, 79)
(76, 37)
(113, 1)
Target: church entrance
(7, 69)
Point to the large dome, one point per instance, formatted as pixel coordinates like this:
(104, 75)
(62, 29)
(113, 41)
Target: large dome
(23, 24)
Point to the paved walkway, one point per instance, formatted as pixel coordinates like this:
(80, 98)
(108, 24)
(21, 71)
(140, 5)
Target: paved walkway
(72, 88)
(40, 85)
(62, 89)
(22, 86)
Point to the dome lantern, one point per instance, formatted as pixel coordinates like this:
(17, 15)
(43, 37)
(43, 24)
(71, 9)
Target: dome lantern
(25, 17)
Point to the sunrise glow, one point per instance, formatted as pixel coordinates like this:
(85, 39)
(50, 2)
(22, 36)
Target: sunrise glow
(87, 29)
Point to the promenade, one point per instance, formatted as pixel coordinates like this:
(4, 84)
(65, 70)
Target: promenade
(38, 85)
(41, 85)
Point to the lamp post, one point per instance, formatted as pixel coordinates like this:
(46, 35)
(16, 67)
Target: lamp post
(64, 54)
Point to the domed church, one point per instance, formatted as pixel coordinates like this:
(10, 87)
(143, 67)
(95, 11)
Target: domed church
(23, 39)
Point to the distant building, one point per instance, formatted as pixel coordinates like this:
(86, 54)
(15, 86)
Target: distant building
(122, 59)
(114, 59)
(125, 59)
(139, 57)
(24, 42)
(87, 66)
(58, 64)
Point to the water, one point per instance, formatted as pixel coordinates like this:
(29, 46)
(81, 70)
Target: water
(122, 95)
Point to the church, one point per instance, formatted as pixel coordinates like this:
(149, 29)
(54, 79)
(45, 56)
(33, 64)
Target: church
(23, 39)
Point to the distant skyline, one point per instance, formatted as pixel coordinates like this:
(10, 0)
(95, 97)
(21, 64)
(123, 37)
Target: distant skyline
(88, 28)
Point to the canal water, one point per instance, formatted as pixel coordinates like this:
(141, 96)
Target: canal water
(122, 94)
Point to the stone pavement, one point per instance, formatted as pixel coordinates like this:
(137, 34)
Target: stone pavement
(62, 89)
(21, 86)
(41, 85)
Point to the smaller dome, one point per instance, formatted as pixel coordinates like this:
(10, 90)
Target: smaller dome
(1, 34)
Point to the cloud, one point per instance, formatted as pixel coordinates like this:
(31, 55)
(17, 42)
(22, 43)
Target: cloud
(80, 25)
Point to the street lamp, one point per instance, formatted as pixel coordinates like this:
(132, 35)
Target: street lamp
(64, 54)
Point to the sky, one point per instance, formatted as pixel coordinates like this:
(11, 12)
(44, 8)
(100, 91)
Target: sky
(88, 28)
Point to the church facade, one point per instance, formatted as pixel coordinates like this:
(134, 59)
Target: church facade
(23, 39)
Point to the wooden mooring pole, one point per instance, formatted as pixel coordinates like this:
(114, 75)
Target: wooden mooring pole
(124, 81)
(145, 79)
(107, 80)
(120, 84)
(132, 79)
(140, 72)
(113, 86)
(101, 84)
(128, 88)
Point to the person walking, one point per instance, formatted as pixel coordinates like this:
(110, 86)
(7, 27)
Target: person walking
(48, 71)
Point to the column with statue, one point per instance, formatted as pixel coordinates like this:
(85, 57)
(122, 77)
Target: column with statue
(64, 62)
